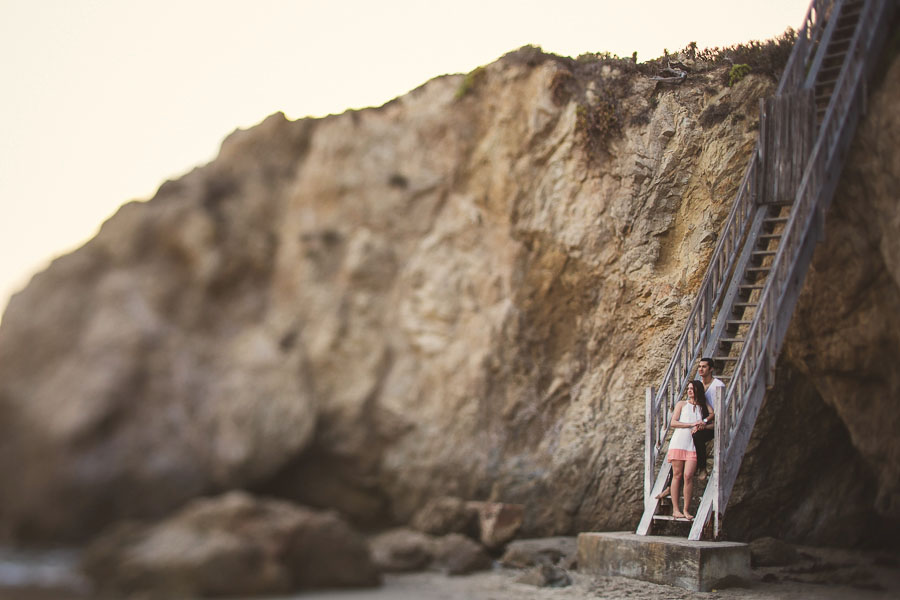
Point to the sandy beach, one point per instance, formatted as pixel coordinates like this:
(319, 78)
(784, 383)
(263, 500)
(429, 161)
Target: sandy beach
(826, 573)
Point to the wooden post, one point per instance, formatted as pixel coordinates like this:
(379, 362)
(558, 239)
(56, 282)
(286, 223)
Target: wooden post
(719, 407)
(649, 444)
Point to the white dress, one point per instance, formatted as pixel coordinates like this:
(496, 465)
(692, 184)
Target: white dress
(681, 446)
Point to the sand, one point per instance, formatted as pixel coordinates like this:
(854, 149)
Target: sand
(829, 574)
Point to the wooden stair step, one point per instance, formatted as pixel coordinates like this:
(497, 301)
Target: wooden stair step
(764, 252)
(669, 518)
(770, 236)
(758, 269)
(738, 321)
(776, 219)
(746, 304)
(732, 340)
(850, 12)
(835, 69)
(843, 33)
(726, 358)
(751, 286)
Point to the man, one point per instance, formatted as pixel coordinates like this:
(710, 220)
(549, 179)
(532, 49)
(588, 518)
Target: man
(706, 369)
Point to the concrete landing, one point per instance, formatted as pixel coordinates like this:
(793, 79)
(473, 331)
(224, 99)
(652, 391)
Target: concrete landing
(697, 566)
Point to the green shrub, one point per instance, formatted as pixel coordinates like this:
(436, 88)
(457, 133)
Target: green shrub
(768, 57)
(737, 73)
(597, 124)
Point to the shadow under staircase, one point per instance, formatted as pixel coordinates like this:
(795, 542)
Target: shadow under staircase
(744, 305)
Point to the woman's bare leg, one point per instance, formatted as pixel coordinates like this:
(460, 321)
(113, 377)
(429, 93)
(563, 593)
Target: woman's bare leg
(677, 473)
(690, 467)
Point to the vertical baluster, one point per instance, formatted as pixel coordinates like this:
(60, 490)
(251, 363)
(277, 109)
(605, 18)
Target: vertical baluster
(718, 401)
(649, 445)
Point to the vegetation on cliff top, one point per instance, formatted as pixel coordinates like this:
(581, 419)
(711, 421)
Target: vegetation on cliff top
(600, 82)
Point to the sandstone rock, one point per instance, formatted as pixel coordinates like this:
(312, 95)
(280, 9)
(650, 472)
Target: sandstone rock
(771, 552)
(520, 554)
(498, 523)
(329, 313)
(456, 554)
(400, 550)
(232, 545)
(159, 375)
(444, 515)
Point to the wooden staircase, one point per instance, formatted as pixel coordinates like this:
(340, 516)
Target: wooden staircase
(745, 302)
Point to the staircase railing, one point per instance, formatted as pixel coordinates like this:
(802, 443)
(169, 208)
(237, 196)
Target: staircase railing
(808, 38)
(756, 362)
(661, 400)
(699, 322)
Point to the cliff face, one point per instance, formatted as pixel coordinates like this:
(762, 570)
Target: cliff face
(445, 295)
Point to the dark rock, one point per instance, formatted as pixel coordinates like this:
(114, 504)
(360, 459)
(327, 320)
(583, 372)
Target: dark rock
(770, 552)
(402, 550)
(456, 554)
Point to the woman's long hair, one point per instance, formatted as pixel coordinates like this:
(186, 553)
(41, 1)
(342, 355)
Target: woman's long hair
(700, 396)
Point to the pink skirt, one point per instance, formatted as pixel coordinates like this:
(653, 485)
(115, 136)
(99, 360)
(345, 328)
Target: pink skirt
(676, 454)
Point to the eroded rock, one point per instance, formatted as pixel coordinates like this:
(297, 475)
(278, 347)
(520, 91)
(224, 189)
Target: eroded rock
(232, 545)
(400, 550)
(456, 554)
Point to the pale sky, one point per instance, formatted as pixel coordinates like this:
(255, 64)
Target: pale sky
(103, 100)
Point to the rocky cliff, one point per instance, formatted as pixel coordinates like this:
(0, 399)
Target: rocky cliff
(463, 292)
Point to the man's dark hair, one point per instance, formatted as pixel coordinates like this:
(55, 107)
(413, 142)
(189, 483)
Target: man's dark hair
(710, 362)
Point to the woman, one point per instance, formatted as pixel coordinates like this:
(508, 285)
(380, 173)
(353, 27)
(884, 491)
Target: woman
(687, 418)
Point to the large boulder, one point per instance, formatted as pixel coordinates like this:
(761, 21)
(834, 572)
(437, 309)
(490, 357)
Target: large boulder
(159, 374)
(232, 545)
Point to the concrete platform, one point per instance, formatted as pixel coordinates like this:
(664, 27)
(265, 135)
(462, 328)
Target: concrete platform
(697, 566)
